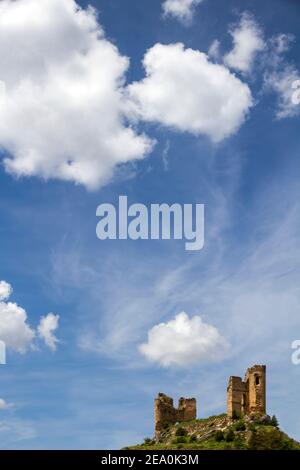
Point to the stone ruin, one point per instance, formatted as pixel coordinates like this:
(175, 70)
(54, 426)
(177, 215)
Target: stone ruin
(248, 396)
(244, 397)
(165, 413)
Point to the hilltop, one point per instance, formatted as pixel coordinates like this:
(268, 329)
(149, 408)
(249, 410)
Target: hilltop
(220, 433)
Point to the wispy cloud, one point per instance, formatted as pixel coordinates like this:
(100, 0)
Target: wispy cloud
(243, 287)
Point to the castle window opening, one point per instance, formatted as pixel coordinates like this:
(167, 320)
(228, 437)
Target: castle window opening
(256, 380)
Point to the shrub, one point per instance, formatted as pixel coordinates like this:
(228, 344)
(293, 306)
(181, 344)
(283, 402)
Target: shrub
(180, 432)
(148, 441)
(219, 436)
(180, 440)
(240, 426)
(229, 437)
(287, 445)
(274, 422)
(235, 415)
(193, 438)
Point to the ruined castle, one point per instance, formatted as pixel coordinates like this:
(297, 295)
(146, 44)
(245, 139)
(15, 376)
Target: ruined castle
(165, 413)
(244, 397)
(248, 396)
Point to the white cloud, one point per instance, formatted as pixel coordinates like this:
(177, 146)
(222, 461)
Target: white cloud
(277, 73)
(247, 42)
(15, 330)
(185, 91)
(281, 82)
(48, 325)
(180, 9)
(183, 342)
(5, 290)
(4, 405)
(280, 75)
(62, 114)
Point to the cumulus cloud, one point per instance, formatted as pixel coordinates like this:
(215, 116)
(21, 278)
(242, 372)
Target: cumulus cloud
(15, 330)
(5, 290)
(278, 75)
(184, 341)
(185, 91)
(247, 42)
(180, 9)
(48, 325)
(62, 109)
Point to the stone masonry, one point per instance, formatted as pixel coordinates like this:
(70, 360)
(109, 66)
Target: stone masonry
(248, 396)
(165, 413)
(244, 397)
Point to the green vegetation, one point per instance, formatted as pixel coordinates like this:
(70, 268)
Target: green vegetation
(220, 433)
(181, 432)
(148, 441)
(193, 438)
(229, 436)
(240, 426)
(274, 421)
(219, 436)
(180, 440)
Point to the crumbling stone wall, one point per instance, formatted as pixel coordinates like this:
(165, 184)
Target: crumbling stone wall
(248, 396)
(165, 413)
(237, 395)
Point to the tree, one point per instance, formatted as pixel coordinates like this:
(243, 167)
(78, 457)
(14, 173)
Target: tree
(274, 422)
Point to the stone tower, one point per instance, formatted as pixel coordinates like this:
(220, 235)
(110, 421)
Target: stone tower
(256, 380)
(248, 396)
(165, 413)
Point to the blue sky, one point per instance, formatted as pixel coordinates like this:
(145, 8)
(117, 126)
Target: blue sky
(94, 388)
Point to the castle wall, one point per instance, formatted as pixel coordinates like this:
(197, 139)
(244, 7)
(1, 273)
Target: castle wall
(186, 409)
(165, 413)
(247, 396)
(256, 377)
(237, 397)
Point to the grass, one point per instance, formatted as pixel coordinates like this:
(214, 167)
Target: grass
(204, 434)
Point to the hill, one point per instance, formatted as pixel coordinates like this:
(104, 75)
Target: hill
(221, 432)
